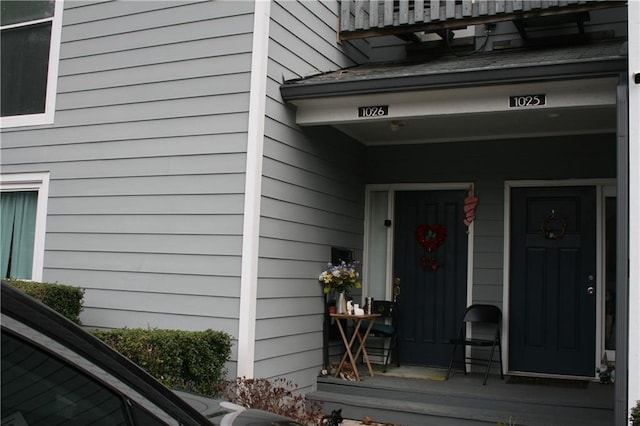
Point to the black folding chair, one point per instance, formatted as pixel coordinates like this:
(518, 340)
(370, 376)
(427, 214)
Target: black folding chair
(488, 316)
(386, 326)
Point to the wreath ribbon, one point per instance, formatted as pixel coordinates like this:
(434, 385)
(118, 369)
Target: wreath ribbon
(470, 204)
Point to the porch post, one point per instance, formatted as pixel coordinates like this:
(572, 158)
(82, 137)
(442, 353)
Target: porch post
(622, 262)
(633, 146)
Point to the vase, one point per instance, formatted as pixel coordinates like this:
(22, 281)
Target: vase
(341, 304)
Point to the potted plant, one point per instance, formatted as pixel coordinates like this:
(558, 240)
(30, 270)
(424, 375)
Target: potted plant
(340, 279)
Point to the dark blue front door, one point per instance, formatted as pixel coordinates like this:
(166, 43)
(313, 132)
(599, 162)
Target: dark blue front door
(430, 258)
(552, 288)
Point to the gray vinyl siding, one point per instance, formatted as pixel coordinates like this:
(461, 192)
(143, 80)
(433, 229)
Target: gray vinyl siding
(312, 196)
(147, 158)
(489, 164)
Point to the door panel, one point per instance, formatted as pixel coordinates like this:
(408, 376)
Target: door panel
(433, 283)
(552, 312)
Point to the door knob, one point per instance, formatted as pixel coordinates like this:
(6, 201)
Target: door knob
(590, 290)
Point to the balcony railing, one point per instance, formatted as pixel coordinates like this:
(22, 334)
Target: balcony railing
(369, 18)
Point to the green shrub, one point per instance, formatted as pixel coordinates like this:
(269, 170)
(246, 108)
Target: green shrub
(192, 361)
(64, 299)
(634, 418)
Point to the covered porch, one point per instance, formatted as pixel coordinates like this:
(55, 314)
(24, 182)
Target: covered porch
(463, 400)
(530, 132)
(440, 128)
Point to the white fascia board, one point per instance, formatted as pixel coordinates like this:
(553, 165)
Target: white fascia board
(469, 100)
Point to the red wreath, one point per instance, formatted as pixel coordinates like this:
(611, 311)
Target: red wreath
(431, 236)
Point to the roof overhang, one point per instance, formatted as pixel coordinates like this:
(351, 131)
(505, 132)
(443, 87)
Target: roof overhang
(576, 106)
(467, 99)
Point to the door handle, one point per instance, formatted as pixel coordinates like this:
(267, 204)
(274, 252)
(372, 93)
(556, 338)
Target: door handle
(396, 288)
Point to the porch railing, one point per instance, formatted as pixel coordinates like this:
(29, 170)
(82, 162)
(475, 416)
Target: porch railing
(368, 18)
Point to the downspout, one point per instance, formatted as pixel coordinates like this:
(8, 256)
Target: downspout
(253, 190)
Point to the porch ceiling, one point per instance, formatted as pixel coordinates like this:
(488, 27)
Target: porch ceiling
(485, 126)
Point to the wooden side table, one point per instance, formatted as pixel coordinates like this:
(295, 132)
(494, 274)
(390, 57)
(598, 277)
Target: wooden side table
(358, 338)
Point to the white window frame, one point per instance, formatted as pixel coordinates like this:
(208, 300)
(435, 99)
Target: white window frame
(32, 182)
(52, 74)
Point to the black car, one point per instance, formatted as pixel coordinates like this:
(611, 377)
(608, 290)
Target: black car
(56, 373)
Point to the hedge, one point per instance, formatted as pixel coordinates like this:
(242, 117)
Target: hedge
(192, 361)
(64, 299)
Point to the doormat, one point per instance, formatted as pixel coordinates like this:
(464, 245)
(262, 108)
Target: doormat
(546, 381)
(411, 372)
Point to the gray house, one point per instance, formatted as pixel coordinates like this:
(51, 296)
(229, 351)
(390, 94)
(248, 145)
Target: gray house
(193, 163)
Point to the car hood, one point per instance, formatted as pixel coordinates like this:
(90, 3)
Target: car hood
(225, 413)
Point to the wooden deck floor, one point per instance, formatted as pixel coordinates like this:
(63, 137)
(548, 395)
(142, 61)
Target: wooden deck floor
(463, 400)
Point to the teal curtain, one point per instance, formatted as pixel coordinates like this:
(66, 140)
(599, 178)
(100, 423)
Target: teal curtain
(17, 233)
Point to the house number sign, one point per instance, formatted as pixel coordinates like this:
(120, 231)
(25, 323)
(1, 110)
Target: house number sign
(373, 111)
(524, 101)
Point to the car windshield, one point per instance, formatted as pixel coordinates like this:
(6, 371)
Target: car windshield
(39, 389)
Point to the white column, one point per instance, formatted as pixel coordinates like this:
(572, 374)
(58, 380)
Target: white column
(253, 190)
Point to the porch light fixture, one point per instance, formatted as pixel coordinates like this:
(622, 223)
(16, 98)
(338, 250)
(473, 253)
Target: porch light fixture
(395, 125)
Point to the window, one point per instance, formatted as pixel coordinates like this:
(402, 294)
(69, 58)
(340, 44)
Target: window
(23, 210)
(29, 45)
(18, 220)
